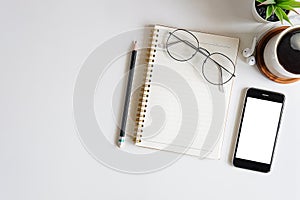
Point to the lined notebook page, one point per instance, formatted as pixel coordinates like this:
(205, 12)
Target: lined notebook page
(163, 118)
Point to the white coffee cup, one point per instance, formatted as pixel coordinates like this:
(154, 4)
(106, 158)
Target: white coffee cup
(271, 58)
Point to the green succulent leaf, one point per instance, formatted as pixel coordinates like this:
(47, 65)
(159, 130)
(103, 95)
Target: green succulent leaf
(284, 16)
(268, 2)
(279, 14)
(292, 3)
(288, 7)
(295, 4)
(270, 11)
(285, 1)
(279, 7)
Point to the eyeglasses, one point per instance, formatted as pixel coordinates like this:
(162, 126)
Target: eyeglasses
(217, 68)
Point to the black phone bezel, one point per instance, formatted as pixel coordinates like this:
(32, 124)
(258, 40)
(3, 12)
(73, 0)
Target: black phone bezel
(264, 95)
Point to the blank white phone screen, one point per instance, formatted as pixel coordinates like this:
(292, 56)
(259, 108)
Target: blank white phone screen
(258, 131)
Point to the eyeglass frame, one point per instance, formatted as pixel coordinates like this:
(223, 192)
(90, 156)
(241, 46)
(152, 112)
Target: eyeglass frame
(198, 50)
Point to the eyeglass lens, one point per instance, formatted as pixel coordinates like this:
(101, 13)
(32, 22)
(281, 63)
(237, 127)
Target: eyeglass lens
(214, 73)
(182, 45)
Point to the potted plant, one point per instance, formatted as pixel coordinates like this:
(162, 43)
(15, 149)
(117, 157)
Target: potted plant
(274, 10)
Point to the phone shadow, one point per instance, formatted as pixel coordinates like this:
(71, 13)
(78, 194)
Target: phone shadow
(236, 127)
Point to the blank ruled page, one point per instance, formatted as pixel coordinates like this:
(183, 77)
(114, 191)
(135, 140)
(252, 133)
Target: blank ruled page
(174, 84)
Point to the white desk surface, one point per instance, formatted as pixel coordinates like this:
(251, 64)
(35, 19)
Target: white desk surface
(43, 45)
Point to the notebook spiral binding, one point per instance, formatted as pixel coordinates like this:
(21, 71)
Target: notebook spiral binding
(145, 90)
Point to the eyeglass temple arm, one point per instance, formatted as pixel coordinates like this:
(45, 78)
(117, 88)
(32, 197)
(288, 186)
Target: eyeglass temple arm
(200, 51)
(187, 43)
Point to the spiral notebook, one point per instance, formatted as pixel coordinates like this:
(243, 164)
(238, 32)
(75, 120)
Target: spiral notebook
(179, 111)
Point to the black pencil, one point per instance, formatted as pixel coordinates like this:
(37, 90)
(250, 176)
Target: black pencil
(128, 94)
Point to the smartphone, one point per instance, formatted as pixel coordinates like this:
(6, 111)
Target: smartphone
(258, 130)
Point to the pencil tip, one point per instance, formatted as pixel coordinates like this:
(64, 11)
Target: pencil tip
(135, 45)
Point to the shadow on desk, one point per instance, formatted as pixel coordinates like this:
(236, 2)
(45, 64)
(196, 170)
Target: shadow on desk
(224, 12)
(236, 126)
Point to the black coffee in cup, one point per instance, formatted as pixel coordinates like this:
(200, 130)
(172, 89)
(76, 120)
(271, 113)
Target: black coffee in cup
(287, 52)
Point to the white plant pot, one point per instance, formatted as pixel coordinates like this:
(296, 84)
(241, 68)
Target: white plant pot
(256, 15)
(271, 58)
